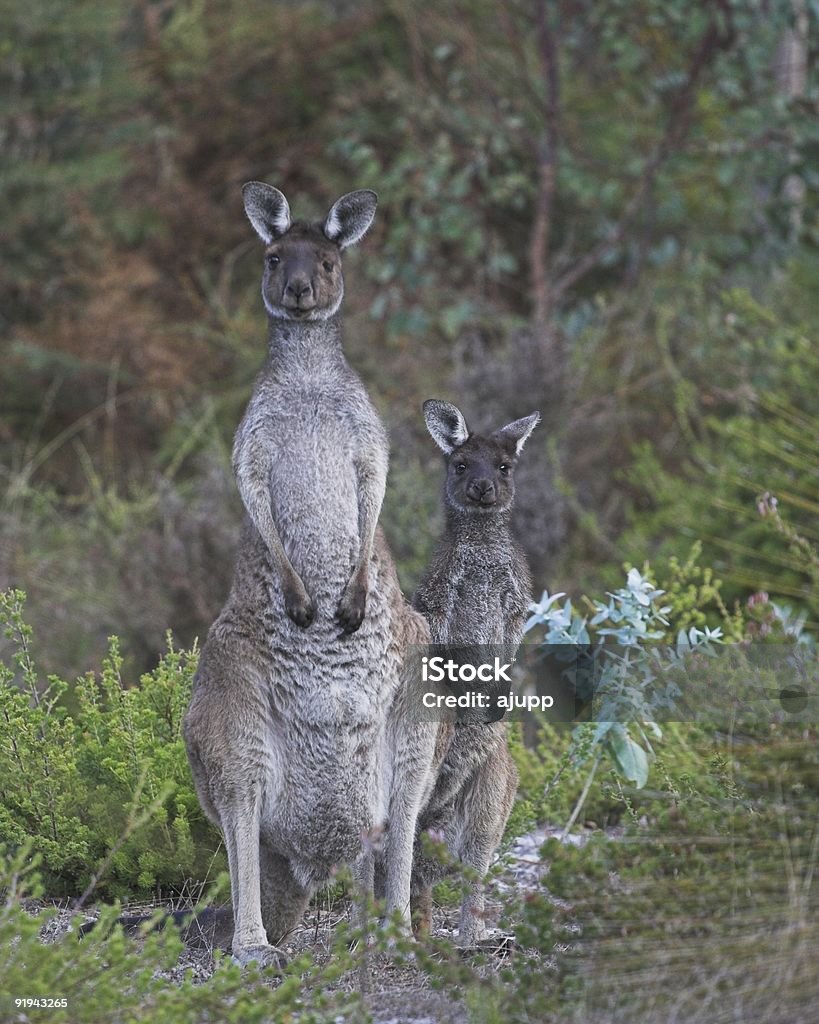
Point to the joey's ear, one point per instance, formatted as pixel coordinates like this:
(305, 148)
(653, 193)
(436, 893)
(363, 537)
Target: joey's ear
(267, 210)
(446, 424)
(350, 217)
(514, 435)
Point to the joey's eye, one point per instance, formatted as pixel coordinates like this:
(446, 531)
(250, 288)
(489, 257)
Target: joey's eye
(328, 266)
(504, 467)
(460, 467)
(272, 259)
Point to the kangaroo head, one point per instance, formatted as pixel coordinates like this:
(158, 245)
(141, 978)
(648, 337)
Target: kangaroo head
(302, 274)
(480, 467)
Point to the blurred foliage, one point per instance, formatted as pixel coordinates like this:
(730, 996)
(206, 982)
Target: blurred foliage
(111, 978)
(709, 889)
(604, 211)
(752, 431)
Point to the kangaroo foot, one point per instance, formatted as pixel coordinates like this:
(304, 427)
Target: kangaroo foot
(264, 956)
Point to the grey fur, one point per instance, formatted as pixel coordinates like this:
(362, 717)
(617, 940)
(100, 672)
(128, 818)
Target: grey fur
(475, 592)
(298, 733)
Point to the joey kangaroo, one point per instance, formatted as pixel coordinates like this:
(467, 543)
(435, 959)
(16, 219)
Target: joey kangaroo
(475, 592)
(297, 732)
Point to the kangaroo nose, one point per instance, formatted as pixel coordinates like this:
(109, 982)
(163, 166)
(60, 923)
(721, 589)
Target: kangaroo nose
(299, 286)
(482, 491)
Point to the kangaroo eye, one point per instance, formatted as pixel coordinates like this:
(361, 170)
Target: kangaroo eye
(504, 468)
(328, 266)
(272, 259)
(460, 468)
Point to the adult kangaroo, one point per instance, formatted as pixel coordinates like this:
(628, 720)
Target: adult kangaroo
(298, 731)
(474, 594)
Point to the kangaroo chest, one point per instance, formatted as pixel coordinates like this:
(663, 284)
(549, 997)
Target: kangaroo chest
(478, 599)
(324, 439)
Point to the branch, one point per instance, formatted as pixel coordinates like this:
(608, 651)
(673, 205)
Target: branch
(713, 40)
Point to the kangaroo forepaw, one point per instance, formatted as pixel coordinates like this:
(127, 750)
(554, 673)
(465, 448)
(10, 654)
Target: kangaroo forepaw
(299, 607)
(351, 607)
(264, 956)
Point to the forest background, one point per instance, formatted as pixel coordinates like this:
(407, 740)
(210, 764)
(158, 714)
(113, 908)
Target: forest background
(606, 211)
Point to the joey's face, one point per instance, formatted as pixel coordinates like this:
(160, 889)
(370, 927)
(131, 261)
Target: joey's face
(480, 475)
(302, 276)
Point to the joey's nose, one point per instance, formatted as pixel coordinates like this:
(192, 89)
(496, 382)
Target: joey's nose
(482, 492)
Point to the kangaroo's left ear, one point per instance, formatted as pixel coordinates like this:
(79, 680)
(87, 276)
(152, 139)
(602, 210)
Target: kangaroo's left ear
(514, 435)
(350, 217)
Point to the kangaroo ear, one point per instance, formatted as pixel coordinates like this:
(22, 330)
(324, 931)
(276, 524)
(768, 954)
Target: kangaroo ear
(350, 217)
(446, 424)
(514, 435)
(267, 210)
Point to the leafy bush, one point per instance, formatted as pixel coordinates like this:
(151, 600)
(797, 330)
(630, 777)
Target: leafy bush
(622, 675)
(640, 643)
(96, 772)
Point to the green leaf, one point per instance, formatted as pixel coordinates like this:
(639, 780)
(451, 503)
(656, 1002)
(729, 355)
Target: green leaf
(629, 756)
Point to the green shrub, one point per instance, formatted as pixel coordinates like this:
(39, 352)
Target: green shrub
(96, 772)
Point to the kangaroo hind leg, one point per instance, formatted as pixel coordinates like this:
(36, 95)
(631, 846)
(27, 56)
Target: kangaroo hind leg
(240, 825)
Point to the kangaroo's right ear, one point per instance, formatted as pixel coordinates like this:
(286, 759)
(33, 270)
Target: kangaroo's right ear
(446, 424)
(350, 217)
(267, 210)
